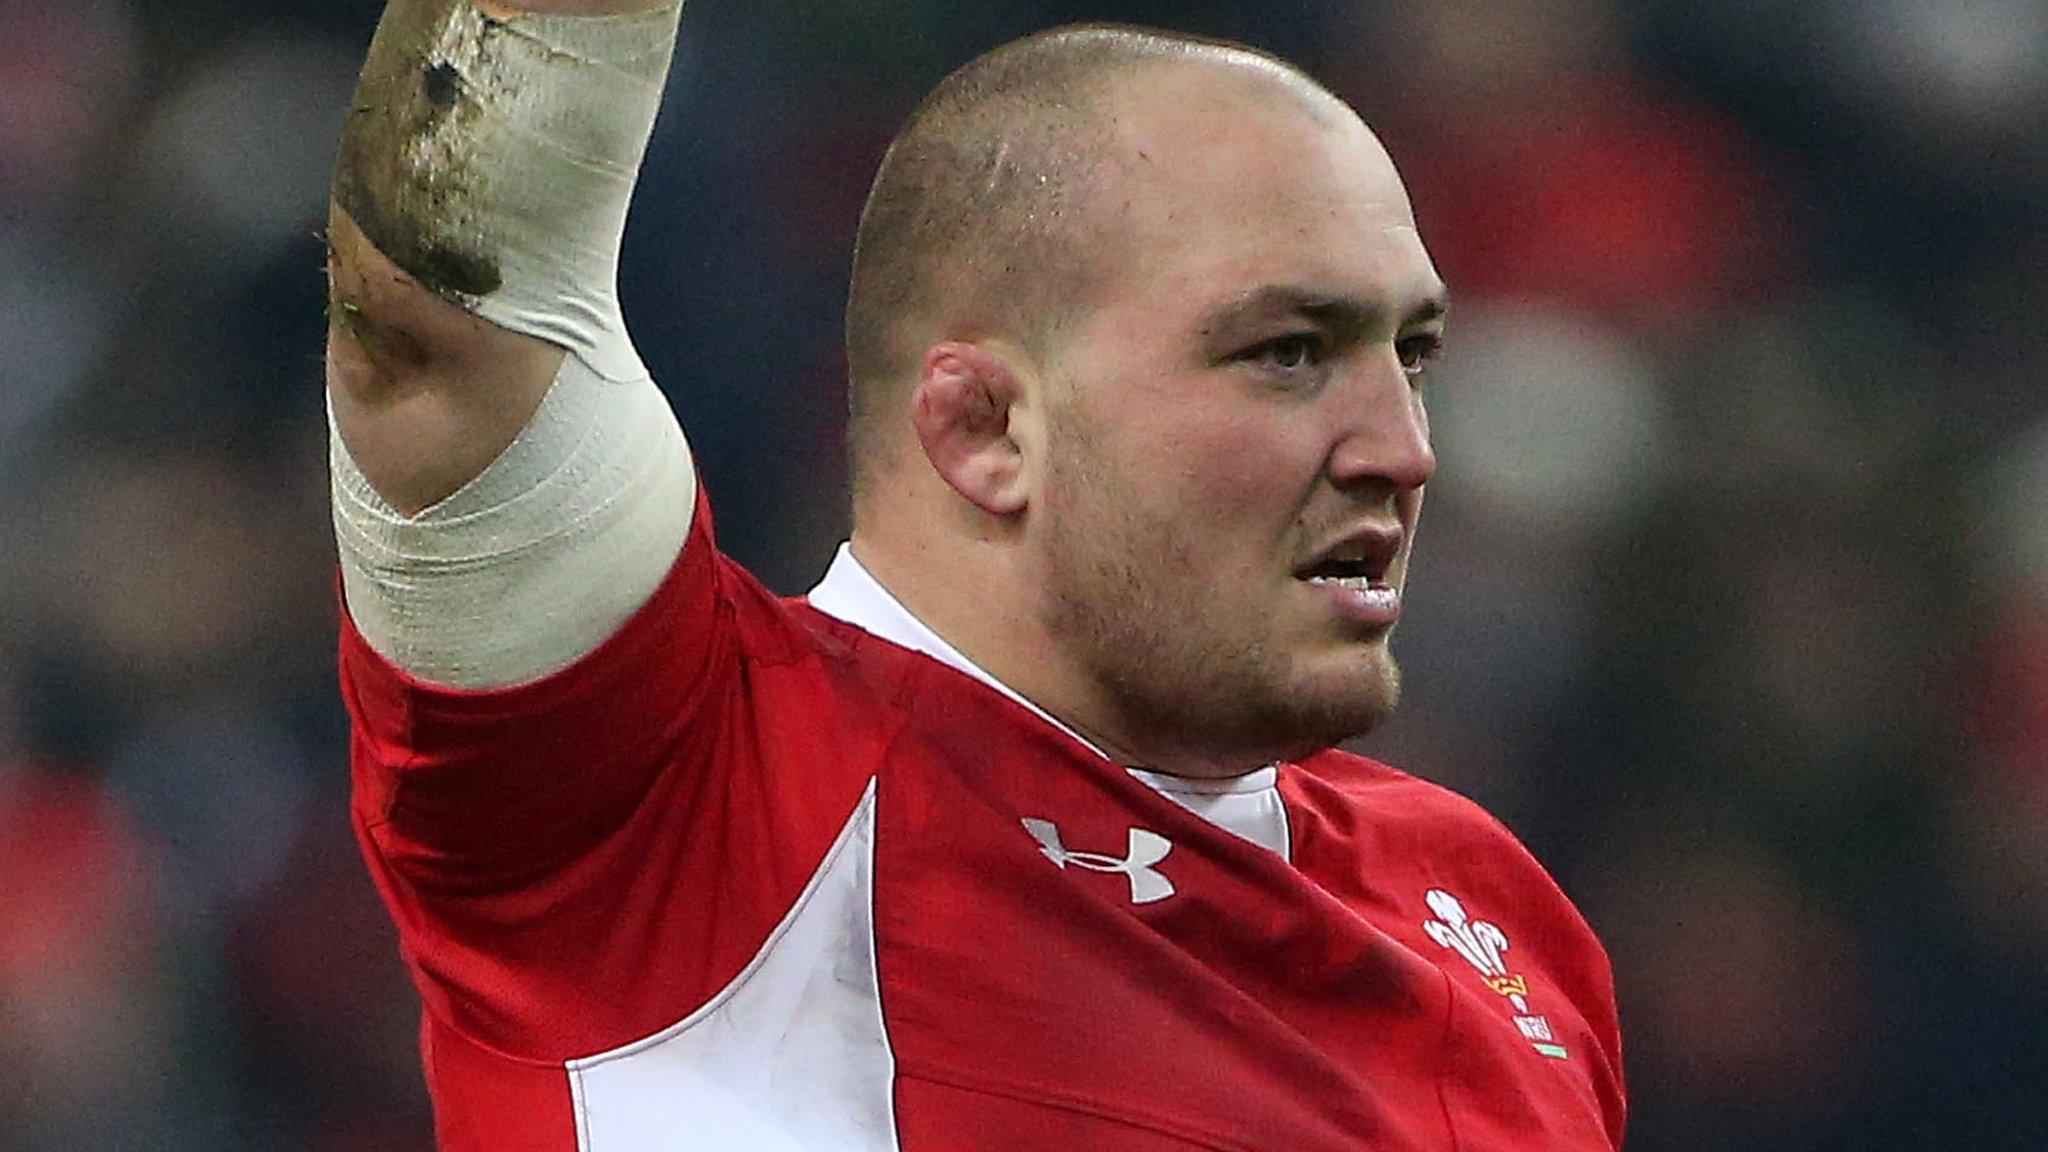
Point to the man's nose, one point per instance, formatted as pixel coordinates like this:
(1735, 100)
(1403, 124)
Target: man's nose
(1386, 428)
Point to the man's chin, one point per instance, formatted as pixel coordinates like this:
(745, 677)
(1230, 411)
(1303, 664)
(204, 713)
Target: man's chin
(1312, 726)
(1352, 703)
(1286, 722)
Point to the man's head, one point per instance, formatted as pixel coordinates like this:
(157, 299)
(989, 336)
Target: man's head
(1135, 330)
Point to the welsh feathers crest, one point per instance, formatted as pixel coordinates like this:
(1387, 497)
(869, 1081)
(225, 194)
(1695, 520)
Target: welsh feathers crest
(1485, 946)
(1475, 940)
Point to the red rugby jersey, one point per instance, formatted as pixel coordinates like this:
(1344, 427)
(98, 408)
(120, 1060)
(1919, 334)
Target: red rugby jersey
(753, 877)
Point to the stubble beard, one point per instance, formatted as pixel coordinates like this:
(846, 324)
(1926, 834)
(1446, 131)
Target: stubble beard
(1189, 676)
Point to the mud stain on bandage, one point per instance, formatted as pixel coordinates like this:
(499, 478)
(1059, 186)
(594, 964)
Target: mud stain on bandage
(443, 84)
(407, 173)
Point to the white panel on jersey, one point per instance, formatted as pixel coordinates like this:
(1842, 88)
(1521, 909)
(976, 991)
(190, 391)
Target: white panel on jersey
(791, 1057)
(1248, 806)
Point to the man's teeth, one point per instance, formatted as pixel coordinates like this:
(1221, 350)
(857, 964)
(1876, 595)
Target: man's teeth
(1355, 583)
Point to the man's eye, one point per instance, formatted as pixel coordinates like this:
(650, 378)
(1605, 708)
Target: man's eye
(1417, 352)
(1289, 353)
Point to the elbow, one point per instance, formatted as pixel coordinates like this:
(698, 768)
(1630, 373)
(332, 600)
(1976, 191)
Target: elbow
(387, 335)
(424, 393)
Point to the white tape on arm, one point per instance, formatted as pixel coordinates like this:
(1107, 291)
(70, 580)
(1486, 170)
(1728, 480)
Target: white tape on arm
(494, 161)
(537, 561)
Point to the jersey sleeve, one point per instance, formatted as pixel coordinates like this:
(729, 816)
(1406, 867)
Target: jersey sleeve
(574, 861)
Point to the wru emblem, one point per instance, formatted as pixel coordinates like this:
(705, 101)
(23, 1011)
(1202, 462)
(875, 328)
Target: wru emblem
(1145, 850)
(1485, 946)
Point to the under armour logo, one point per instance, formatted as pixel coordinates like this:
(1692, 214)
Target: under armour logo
(1146, 849)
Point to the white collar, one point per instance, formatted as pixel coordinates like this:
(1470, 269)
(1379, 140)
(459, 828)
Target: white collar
(849, 592)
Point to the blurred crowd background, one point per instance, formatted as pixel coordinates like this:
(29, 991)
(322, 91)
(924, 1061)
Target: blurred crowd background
(1732, 595)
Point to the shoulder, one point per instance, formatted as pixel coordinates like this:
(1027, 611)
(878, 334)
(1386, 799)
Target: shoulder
(779, 636)
(808, 677)
(1423, 837)
(1400, 810)
(1411, 825)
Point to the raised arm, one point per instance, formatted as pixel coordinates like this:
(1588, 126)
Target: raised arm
(508, 483)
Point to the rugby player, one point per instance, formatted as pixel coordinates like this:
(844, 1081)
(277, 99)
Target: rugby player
(1025, 828)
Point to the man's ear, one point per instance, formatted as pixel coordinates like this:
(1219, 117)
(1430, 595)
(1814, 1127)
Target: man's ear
(963, 410)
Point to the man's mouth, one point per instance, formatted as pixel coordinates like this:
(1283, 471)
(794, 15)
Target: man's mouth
(1360, 560)
(1353, 573)
(1347, 574)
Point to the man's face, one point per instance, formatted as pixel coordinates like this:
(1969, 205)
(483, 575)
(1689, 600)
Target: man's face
(1235, 443)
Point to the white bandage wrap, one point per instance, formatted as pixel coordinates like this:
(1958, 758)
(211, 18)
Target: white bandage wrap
(494, 160)
(538, 560)
(573, 145)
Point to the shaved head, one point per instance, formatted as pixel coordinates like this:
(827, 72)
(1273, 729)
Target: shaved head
(993, 215)
(1138, 332)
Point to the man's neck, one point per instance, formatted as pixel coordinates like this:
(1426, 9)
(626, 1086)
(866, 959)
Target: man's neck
(967, 620)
